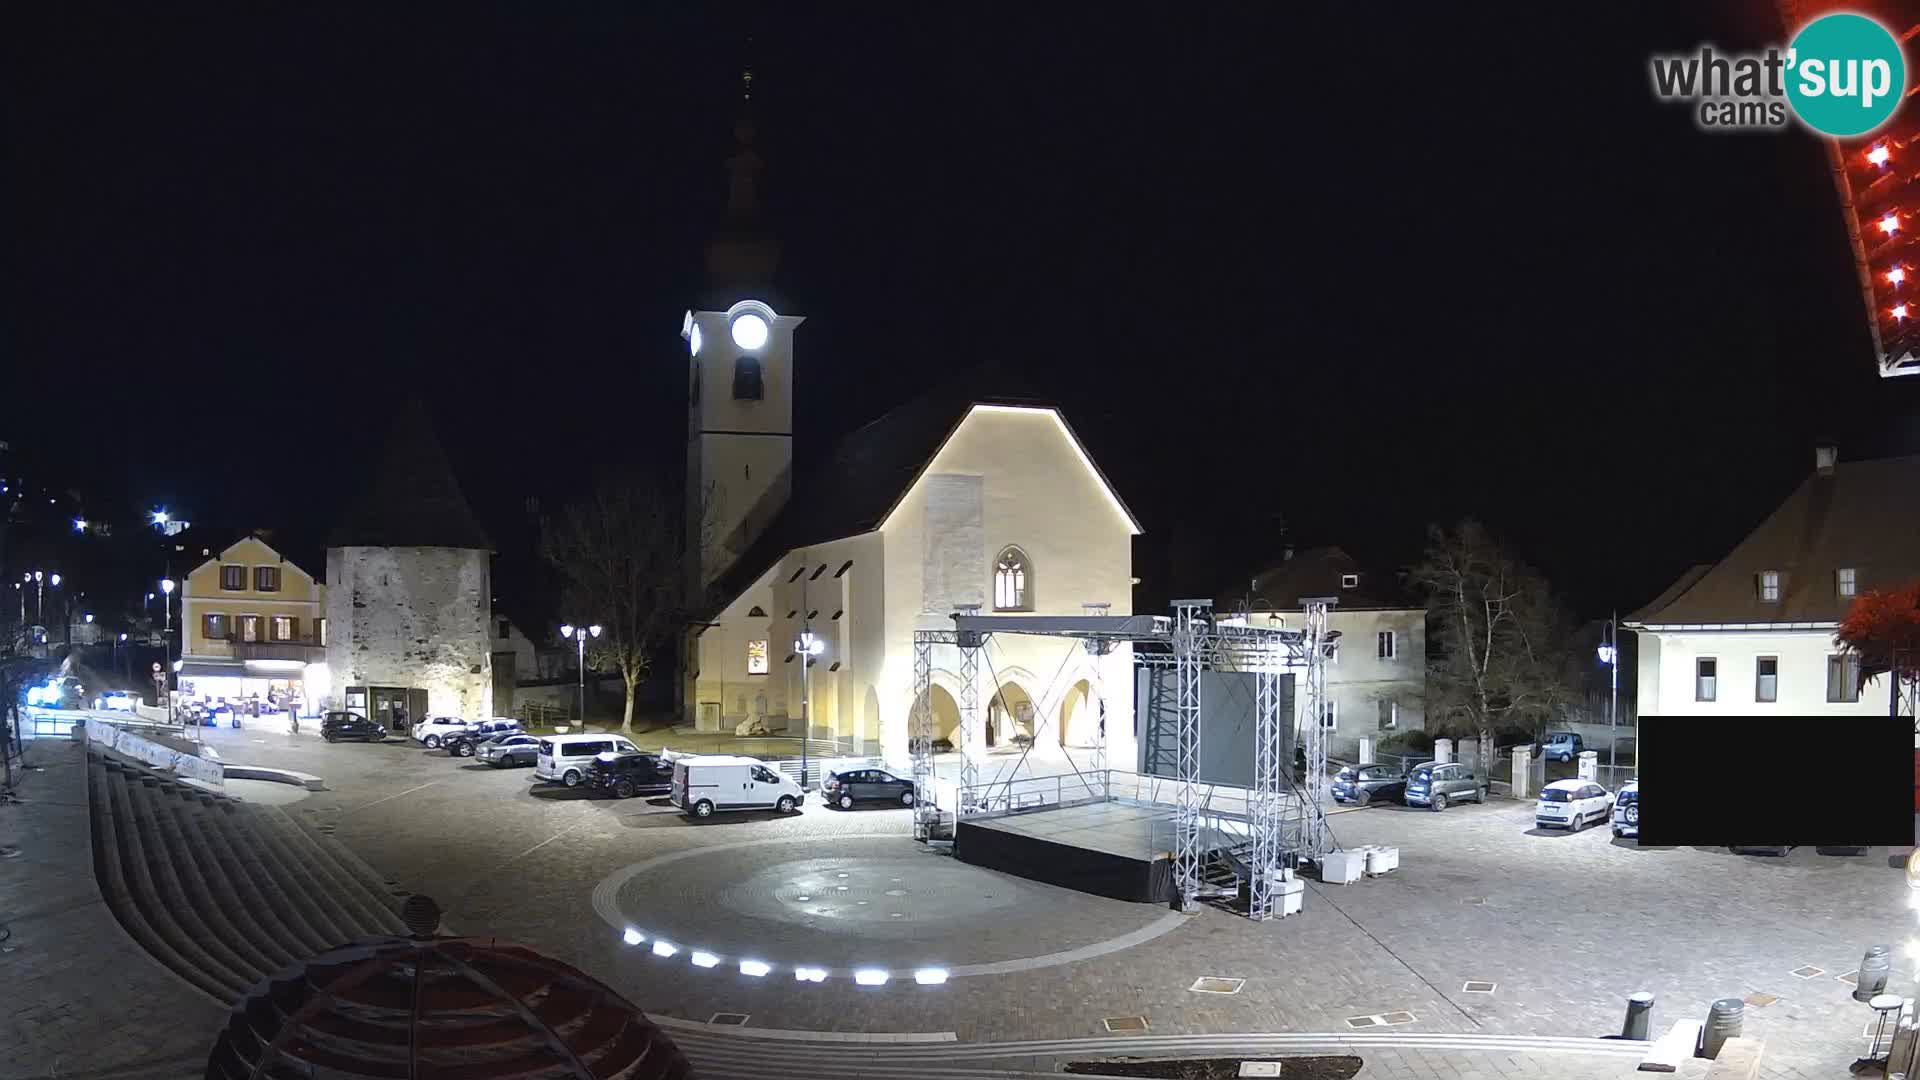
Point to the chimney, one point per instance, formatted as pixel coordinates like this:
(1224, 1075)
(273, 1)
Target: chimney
(1825, 456)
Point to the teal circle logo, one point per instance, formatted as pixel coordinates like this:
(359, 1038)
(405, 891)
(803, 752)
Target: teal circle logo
(1846, 75)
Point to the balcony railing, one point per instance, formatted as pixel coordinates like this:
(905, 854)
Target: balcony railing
(305, 652)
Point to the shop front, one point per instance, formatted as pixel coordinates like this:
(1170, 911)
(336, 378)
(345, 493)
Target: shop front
(253, 687)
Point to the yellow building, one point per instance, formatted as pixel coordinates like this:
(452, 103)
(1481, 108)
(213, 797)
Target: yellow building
(253, 624)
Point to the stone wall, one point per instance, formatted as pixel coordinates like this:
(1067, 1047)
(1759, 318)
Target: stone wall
(412, 617)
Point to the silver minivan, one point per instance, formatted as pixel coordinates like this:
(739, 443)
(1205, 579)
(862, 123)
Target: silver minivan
(565, 757)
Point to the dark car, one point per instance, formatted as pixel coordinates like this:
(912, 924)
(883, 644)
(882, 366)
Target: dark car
(1364, 784)
(1436, 785)
(625, 775)
(336, 726)
(843, 789)
(515, 748)
(463, 744)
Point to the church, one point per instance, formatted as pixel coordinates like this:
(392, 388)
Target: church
(812, 586)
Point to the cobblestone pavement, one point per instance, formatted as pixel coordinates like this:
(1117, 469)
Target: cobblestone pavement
(81, 998)
(1565, 925)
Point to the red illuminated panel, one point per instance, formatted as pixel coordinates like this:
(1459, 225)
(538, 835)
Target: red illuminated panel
(1878, 178)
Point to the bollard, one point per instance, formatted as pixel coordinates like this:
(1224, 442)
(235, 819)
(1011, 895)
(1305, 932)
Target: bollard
(1639, 1016)
(1874, 968)
(1723, 1023)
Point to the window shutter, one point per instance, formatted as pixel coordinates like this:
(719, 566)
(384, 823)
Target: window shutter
(293, 628)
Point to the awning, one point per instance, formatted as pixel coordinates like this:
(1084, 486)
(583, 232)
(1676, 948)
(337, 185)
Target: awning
(201, 669)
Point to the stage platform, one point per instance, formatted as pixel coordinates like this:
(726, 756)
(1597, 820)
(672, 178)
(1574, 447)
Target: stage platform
(1121, 850)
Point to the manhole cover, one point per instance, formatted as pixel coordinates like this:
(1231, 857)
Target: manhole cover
(1477, 901)
(1363, 1021)
(1259, 1068)
(1850, 978)
(1759, 1000)
(896, 892)
(1214, 984)
(1478, 986)
(1125, 1023)
(728, 1019)
(1397, 1018)
(1808, 972)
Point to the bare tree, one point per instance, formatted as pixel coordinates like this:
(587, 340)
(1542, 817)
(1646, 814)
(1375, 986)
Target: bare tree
(621, 553)
(1503, 663)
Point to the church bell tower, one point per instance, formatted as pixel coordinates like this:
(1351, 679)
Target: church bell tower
(740, 378)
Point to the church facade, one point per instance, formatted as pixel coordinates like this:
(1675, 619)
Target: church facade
(809, 588)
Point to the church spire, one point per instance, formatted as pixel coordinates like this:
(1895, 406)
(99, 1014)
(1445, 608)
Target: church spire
(743, 253)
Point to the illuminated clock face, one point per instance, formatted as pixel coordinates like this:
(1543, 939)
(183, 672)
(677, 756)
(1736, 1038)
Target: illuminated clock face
(750, 331)
(693, 338)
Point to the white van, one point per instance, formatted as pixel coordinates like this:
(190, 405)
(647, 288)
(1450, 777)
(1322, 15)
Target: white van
(565, 757)
(704, 785)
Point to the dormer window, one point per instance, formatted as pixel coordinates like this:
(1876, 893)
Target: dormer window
(746, 379)
(1349, 581)
(1846, 582)
(1769, 586)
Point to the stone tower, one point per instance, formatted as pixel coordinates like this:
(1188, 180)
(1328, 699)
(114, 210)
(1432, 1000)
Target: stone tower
(409, 590)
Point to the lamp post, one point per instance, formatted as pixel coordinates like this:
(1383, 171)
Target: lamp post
(580, 634)
(1610, 656)
(807, 647)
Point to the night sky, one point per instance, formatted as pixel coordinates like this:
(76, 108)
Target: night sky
(1351, 271)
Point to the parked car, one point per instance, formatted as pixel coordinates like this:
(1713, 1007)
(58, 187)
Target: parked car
(431, 732)
(565, 757)
(338, 726)
(503, 751)
(1572, 804)
(1436, 785)
(462, 743)
(625, 775)
(1626, 810)
(705, 785)
(843, 789)
(1561, 746)
(1365, 784)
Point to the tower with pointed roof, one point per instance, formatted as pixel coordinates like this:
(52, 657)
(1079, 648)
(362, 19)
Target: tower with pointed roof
(410, 592)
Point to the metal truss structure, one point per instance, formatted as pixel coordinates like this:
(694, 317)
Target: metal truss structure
(1287, 821)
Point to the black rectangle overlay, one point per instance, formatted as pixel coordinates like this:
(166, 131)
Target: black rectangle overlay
(1776, 781)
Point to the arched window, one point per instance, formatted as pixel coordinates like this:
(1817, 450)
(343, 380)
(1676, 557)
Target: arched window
(746, 379)
(1012, 581)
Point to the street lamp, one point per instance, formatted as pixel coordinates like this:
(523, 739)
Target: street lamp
(807, 646)
(1610, 655)
(160, 517)
(166, 604)
(79, 524)
(580, 634)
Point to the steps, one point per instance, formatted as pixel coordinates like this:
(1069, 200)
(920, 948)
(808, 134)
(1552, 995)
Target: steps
(223, 893)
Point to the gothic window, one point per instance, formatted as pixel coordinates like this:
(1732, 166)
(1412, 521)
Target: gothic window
(746, 379)
(1012, 581)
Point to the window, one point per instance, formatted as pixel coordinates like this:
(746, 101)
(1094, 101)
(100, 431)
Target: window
(1769, 586)
(746, 379)
(1330, 714)
(282, 627)
(756, 657)
(233, 578)
(1843, 677)
(1385, 644)
(266, 579)
(502, 625)
(1846, 582)
(1012, 581)
(817, 573)
(214, 627)
(844, 567)
(758, 612)
(1349, 581)
(1766, 685)
(1331, 650)
(1389, 715)
(320, 630)
(249, 628)
(764, 775)
(1705, 679)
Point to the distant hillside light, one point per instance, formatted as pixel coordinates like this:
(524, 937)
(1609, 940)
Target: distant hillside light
(79, 524)
(1879, 154)
(1891, 223)
(750, 331)
(160, 517)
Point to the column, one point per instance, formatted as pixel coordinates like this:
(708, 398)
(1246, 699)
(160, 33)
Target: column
(1442, 750)
(1523, 771)
(1589, 765)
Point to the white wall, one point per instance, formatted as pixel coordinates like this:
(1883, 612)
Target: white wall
(412, 617)
(1358, 679)
(1667, 666)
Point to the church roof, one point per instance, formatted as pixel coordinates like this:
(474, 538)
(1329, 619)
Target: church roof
(870, 471)
(412, 498)
(1862, 517)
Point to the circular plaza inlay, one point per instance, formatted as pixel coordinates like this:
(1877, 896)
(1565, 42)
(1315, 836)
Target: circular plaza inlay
(849, 903)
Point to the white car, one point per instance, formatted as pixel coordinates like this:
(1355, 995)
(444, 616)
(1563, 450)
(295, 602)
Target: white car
(1627, 802)
(435, 730)
(1572, 805)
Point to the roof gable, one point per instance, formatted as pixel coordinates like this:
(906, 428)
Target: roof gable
(412, 498)
(1863, 517)
(1321, 571)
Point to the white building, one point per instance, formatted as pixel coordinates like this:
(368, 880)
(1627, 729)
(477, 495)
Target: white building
(959, 499)
(1376, 670)
(1753, 633)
